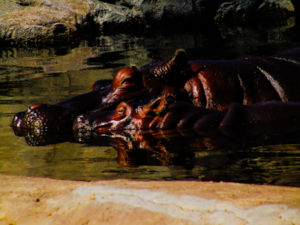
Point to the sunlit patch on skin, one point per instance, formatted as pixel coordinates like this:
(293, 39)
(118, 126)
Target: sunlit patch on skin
(36, 106)
(276, 85)
(286, 60)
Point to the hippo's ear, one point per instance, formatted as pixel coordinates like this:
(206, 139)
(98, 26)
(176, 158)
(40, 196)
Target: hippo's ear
(180, 58)
(175, 65)
(122, 111)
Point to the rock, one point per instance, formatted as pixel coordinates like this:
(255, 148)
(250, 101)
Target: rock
(250, 11)
(296, 4)
(28, 200)
(45, 22)
(112, 17)
(41, 21)
(207, 8)
(148, 13)
(159, 10)
(52, 22)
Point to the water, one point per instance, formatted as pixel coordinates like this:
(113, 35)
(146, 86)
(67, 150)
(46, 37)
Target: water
(31, 76)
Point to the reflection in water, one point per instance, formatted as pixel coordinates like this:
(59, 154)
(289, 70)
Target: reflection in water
(147, 154)
(216, 158)
(31, 76)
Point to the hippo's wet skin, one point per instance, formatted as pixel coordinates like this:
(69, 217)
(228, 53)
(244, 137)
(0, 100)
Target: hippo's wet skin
(181, 94)
(238, 120)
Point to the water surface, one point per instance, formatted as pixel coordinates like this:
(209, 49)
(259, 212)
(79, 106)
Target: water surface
(31, 76)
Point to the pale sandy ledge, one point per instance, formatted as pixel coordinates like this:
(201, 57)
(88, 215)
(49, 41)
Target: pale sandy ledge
(25, 200)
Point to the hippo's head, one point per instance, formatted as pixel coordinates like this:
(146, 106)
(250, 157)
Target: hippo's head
(127, 84)
(130, 115)
(161, 113)
(132, 83)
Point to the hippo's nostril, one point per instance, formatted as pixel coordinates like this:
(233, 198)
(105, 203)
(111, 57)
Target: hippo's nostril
(18, 120)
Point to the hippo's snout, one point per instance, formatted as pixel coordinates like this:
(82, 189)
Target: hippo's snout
(85, 124)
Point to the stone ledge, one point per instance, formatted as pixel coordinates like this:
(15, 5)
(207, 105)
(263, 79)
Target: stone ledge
(42, 201)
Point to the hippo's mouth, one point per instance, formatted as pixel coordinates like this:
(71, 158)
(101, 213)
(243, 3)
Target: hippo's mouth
(103, 121)
(107, 126)
(84, 125)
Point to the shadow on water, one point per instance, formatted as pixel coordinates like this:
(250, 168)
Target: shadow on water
(32, 76)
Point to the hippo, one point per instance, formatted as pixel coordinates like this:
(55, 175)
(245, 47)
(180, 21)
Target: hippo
(237, 120)
(206, 87)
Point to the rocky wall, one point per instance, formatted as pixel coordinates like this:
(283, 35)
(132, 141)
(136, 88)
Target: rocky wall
(49, 22)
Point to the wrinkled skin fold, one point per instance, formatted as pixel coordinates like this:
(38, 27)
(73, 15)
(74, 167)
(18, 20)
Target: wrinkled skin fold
(240, 97)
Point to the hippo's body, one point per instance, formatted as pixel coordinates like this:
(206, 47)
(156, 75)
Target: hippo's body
(242, 96)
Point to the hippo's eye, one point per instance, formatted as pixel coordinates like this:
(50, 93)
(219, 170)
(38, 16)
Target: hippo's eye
(155, 104)
(121, 110)
(128, 80)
